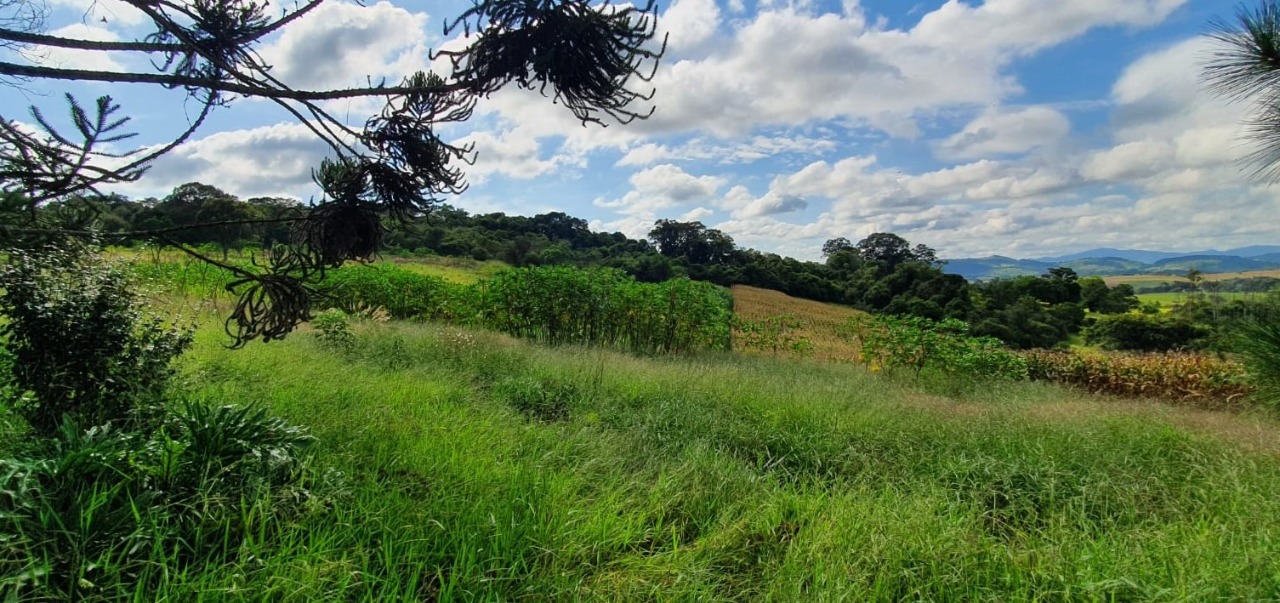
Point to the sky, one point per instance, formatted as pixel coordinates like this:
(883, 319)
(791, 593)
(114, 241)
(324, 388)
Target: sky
(1023, 128)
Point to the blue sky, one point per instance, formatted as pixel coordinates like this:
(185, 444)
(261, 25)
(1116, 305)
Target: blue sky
(1012, 127)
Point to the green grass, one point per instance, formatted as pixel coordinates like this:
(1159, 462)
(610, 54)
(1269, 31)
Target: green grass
(1173, 298)
(462, 271)
(477, 467)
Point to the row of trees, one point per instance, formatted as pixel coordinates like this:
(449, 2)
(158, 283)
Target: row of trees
(881, 273)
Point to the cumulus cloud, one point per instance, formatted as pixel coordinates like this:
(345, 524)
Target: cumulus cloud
(268, 161)
(728, 151)
(663, 187)
(340, 44)
(787, 66)
(1004, 132)
(510, 154)
(689, 24)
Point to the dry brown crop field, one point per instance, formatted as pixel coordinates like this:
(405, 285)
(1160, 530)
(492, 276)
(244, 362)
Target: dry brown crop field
(817, 323)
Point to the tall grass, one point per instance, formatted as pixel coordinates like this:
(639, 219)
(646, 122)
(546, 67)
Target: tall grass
(1258, 343)
(482, 468)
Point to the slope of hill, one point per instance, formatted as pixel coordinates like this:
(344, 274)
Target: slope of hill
(795, 325)
(1146, 256)
(1123, 263)
(1209, 263)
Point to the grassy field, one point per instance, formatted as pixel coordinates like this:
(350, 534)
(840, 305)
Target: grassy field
(457, 464)
(1146, 281)
(816, 323)
(476, 467)
(462, 271)
(1173, 298)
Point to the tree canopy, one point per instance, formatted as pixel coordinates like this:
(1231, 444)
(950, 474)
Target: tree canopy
(588, 57)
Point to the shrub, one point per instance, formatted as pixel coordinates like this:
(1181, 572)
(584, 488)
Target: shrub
(102, 510)
(918, 343)
(334, 328)
(79, 342)
(1143, 332)
(605, 307)
(403, 294)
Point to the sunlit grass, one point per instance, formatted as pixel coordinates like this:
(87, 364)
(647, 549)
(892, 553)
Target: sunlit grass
(480, 467)
(462, 271)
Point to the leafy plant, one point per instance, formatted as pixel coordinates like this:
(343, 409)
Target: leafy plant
(87, 515)
(79, 340)
(914, 343)
(334, 328)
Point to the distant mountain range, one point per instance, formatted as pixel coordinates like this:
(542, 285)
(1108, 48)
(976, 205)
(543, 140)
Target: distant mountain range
(1105, 261)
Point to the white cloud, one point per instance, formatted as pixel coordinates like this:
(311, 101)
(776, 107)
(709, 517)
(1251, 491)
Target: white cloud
(111, 12)
(787, 66)
(66, 58)
(663, 187)
(1004, 132)
(510, 154)
(1129, 161)
(268, 161)
(645, 154)
(737, 150)
(688, 24)
(339, 45)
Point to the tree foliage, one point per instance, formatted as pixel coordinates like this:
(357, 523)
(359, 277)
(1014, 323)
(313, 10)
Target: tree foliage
(79, 342)
(893, 250)
(1245, 67)
(588, 57)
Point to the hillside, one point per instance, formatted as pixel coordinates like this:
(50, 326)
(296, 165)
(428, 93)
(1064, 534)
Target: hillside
(794, 326)
(1123, 263)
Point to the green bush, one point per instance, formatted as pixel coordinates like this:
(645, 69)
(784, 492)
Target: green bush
(914, 343)
(605, 307)
(79, 342)
(334, 328)
(403, 294)
(1143, 332)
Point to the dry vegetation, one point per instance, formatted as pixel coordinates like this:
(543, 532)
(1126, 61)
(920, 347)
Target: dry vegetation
(817, 323)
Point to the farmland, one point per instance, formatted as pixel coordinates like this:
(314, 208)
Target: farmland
(796, 320)
(1146, 281)
(452, 461)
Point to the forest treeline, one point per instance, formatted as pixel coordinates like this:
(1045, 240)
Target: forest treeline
(882, 273)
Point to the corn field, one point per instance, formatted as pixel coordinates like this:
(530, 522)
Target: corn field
(1197, 379)
(605, 307)
(554, 305)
